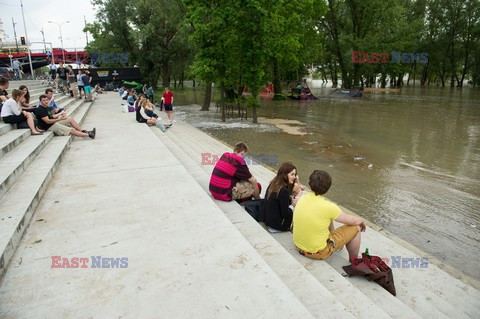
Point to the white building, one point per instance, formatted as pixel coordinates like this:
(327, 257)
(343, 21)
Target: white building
(2, 32)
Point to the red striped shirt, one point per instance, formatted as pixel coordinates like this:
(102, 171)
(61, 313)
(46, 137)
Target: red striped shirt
(229, 169)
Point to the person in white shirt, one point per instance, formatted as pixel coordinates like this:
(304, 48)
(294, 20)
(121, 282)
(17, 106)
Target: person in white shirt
(53, 70)
(12, 113)
(80, 84)
(16, 68)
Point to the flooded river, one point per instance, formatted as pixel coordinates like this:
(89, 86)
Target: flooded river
(407, 161)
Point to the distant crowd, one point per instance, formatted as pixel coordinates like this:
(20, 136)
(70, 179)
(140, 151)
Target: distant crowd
(142, 104)
(45, 115)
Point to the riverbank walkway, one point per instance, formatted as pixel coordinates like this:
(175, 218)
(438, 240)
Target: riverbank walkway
(135, 202)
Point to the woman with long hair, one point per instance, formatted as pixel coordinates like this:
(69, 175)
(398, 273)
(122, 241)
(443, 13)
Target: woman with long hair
(26, 95)
(279, 199)
(12, 112)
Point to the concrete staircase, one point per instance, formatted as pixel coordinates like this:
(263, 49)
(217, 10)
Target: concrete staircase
(27, 164)
(322, 286)
(319, 288)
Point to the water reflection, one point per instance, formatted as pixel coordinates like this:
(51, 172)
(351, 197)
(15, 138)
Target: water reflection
(408, 161)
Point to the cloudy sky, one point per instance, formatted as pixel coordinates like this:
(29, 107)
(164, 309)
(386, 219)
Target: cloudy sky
(37, 15)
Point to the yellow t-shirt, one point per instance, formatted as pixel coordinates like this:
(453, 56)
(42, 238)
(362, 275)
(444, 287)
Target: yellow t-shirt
(311, 219)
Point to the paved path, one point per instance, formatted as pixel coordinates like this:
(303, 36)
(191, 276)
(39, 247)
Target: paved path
(125, 195)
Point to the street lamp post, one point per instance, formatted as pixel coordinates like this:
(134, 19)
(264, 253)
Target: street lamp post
(75, 44)
(9, 52)
(61, 38)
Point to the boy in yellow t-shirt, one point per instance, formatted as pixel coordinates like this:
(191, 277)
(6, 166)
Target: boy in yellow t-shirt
(313, 231)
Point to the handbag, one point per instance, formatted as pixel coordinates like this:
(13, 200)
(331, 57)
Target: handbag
(256, 209)
(373, 268)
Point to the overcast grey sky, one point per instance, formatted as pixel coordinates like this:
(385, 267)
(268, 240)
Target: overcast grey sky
(39, 12)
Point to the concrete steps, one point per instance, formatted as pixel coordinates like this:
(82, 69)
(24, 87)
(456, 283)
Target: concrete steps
(275, 255)
(432, 296)
(353, 299)
(27, 164)
(318, 300)
(180, 248)
(17, 160)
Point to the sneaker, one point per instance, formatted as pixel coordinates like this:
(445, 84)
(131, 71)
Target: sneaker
(92, 133)
(174, 121)
(84, 131)
(168, 126)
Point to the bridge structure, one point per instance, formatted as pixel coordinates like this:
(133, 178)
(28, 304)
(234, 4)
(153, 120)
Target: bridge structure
(42, 58)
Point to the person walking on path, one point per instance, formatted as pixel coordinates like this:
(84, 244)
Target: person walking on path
(167, 103)
(17, 69)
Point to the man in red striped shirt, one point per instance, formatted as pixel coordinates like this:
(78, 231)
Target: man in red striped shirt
(231, 178)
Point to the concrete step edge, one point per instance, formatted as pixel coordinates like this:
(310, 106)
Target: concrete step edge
(308, 290)
(11, 139)
(360, 304)
(198, 142)
(61, 143)
(32, 148)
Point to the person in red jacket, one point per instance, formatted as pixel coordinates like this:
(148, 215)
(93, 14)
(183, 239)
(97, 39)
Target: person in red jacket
(167, 103)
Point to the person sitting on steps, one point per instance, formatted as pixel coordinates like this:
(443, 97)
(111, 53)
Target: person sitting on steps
(12, 112)
(231, 178)
(314, 234)
(59, 124)
(279, 199)
(144, 114)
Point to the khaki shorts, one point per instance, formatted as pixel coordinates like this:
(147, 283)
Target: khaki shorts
(338, 238)
(243, 189)
(61, 128)
(73, 86)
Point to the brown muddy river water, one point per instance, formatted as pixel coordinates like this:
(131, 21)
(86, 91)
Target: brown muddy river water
(407, 161)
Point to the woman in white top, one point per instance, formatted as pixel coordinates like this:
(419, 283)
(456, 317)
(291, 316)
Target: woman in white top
(12, 113)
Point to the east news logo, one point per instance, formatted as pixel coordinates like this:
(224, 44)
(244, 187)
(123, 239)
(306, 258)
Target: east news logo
(83, 262)
(382, 57)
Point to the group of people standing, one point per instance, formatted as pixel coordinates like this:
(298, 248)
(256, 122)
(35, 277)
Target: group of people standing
(289, 207)
(69, 82)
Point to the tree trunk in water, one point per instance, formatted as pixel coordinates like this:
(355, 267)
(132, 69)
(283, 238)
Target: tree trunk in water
(193, 81)
(222, 102)
(165, 74)
(383, 80)
(277, 84)
(208, 97)
(254, 113)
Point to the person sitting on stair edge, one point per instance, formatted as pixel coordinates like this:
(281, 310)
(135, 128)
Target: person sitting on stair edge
(231, 178)
(314, 234)
(62, 125)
